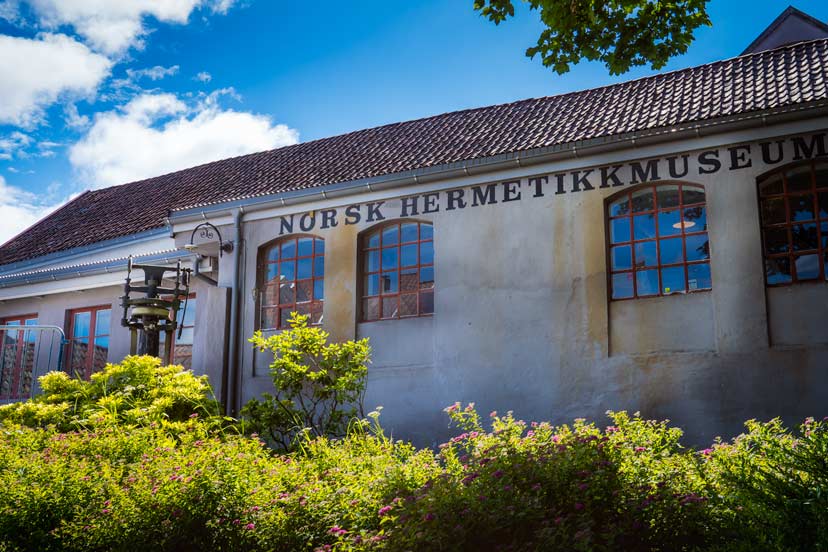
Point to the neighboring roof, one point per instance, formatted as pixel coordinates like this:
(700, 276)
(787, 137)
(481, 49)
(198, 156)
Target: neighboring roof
(773, 79)
(791, 26)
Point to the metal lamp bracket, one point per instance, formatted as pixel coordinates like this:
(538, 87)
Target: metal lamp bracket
(208, 231)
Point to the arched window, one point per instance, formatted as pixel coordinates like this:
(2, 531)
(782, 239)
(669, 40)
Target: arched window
(658, 243)
(794, 211)
(398, 271)
(291, 276)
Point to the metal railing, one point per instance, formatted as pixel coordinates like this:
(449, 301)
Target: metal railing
(26, 353)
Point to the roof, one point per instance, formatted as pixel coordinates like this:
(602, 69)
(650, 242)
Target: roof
(787, 76)
(792, 25)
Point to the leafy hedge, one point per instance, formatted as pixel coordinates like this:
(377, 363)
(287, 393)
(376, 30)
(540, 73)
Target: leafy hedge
(102, 478)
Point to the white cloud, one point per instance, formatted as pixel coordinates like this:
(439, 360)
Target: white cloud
(203, 76)
(37, 72)
(19, 209)
(73, 118)
(158, 133)
(113, 26)
(14, 145)
(153, 73)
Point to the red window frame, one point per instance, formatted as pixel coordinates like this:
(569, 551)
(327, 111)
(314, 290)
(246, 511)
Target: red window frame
(275, 302)
(175, 359)
(657, 211)
(778, 187)
(377, 303)
(15, 391)
(88, 366)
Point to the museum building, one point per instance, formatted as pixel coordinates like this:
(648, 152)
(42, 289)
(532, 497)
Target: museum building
(658, 245)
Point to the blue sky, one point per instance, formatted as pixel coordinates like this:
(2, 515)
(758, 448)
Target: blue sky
(96, 93)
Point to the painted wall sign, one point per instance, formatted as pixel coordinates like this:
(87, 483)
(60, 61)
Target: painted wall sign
(675, 167)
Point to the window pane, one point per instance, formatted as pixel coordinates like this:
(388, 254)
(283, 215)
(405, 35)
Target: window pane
(698, 247)
(100, 352)
(305, 247)
(669, 223)
(372, 261)
(304, 268)
(799, 179)
(389, 258)
(389, 307)
(776, 240)
(271, 272)
(390, 282)
(671, 251)
(287, 293)
(807, 267)
(645, 254)
(409, 280)
(371, 285)
(695, 219)
(426, 302)
(667, 196)
(698, 277)
(647, 282)
(644, 226)
(773, 210)
(801, 207)
(319, 246)
(672, 280)
(778, 270)
(318, 267)
(622, 285)
(771, 185)
(689, 195)
(642, 200)
(823, 229)
(304, 291)
(621, 257)
(408, 255)
(426, 232)
(409, 232)
(80, 325)
(620, 206)
(284, 316)
(370, 309)
(804, 236)
(102, 320)
(391, 235)
(318, 290)
(288, 249)
(374, 240)
(408, 304)
(273, 253)
(823, 205)
(620, 230)
(270, 318)
(427, 277)
(303, 309)
(427, 252)
(269, 294)
(316, 313)
(287, 270)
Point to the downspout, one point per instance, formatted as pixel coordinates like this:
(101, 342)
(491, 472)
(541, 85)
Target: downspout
(234, 379)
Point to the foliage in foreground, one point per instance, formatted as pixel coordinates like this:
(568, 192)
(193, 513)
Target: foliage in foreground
(622, 34)
(184, 481)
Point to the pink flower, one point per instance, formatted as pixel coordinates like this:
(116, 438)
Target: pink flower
(612, 429)
(707, 452)
(250, 526)
(579, 506)
(640, 449)
(498, 474)
(493, 414)
(583, 486)
(105, 511)
(429, 517)
(384, 510)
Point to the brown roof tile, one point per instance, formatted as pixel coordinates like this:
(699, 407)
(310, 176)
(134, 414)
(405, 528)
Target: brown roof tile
(771, 79)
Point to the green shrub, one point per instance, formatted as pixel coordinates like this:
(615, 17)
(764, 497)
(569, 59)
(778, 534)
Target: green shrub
(138, 391)
(319, 386)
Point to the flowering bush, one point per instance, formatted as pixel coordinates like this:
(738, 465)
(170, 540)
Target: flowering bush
(159, 472)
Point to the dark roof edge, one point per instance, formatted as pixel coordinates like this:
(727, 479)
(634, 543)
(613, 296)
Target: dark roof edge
(502, 161)
(789, 11)
(67, 254)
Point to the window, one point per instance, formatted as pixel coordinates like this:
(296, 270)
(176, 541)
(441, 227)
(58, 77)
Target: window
(398, 271)
(88, 340)
(291, 275)
(658, 243)
(182, 347)
(17, 357)
(794, 212)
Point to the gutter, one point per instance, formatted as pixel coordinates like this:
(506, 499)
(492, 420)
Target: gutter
(506, 161)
